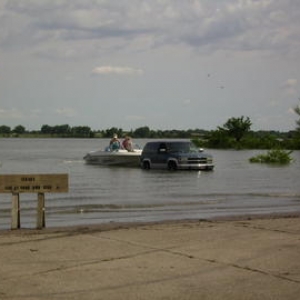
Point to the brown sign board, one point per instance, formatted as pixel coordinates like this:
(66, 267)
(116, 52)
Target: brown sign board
(34, 183)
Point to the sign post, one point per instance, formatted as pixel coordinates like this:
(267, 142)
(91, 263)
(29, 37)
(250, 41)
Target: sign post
(15, 211)
(32, 183)
(41, 221)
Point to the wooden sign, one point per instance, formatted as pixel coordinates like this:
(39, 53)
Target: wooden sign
(34, 183)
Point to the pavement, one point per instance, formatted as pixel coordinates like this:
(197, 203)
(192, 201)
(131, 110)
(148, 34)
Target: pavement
(221, 259)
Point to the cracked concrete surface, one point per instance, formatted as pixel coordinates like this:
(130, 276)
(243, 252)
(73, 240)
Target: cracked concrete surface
(242, 259)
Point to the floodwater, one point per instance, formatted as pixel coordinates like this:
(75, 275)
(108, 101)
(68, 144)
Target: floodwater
(100, 194)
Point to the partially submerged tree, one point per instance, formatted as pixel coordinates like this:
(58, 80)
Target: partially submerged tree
(297, 111)
(237, 127)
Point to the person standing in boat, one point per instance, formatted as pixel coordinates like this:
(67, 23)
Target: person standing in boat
(114, 143)
(127, 143)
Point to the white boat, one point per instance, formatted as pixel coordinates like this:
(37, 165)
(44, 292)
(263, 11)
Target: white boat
(120, 157)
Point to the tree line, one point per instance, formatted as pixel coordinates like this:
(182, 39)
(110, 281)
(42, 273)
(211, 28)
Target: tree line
(234, 133)
(48, 131)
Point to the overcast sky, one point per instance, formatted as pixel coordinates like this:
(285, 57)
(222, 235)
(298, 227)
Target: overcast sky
(166, 64)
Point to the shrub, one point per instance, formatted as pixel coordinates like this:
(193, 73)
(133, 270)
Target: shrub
(274, 156)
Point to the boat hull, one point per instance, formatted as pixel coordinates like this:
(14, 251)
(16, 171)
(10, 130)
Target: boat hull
(114, 158)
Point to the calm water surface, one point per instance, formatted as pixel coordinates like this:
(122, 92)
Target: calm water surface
(111, 194)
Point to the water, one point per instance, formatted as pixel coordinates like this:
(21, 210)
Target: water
(111, 194)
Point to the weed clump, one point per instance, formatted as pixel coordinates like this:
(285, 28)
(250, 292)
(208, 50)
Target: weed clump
(275, 156)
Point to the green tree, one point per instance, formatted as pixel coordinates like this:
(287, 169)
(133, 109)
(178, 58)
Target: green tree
(5, 130)
(46, 129)
(108, 133)
(297, 133)
(19, 129)
(297, 111)
(142, 132)
(237, 127)
(81, 131)
(64, 129)
(219, 139)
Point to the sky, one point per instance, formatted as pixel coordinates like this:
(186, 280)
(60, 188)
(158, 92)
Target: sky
(165, 64)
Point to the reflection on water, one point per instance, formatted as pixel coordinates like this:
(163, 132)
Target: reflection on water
(111, 194)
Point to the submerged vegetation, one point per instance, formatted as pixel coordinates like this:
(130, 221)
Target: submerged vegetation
(274, 156)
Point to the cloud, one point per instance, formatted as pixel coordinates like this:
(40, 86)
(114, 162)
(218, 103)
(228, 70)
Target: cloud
(290, 82)
(105, 70)
(12, 113)
(265, 25)
(21, 115)
(134, 118)
(291, 111)
(67, 112)
(52, 48)
(187, 102)
(290, 86)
